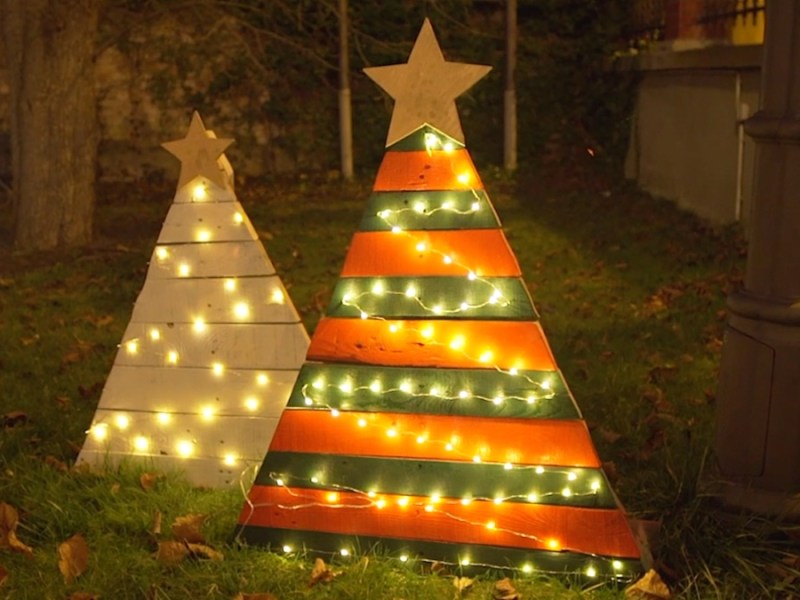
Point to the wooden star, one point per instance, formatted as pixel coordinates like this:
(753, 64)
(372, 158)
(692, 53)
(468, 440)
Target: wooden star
(425, 88)
(198, 153)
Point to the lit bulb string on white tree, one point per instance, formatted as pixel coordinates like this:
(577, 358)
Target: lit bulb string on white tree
(156, 341)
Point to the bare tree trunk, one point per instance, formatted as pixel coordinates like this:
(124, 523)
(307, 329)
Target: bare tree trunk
(345, 114)
(50, 50)
(510, 93)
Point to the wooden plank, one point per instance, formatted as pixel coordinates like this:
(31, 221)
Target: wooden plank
(500, 298)
(206, 222)
(420, 170)
(458, 253)
(221, 259)
(211, 192)
(257, 392)
(235, 346)
(214, 300)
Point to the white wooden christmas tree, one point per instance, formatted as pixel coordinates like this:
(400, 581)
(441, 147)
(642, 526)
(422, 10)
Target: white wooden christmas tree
(213, 347)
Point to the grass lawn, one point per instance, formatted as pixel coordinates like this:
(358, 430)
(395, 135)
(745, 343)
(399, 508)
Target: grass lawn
(631, 294)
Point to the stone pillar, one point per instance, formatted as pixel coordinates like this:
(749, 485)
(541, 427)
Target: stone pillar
(758, 420)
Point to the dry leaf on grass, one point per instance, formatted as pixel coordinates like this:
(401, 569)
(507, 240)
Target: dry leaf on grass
(148, 481)
(58, 465)
(504, 590)
(649, 587)
(265, 596)
(462, 584)
(172, 552)
(73, 557)
(82, 596)
(188, 527)
(321, 573)
(9, 518)
(15, 417)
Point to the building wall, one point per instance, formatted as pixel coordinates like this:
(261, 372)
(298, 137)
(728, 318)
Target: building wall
(686, 142)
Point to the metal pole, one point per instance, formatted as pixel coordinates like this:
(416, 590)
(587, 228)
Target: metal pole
(345, 114)
(510, 94)
(757, 439)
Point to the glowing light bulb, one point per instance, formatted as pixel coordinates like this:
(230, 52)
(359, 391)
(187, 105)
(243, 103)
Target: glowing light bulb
(476, 459)
(448, 446)
(553, 544)
(318, 383)
(241, 310)
(363, 316)
(447, 204)
(419, 207)
(375, 387)
(384, 213)
(402, 501)
(595, 485)
(217, 368)
(371, 494)
(405, 386)
(421, 439)
(437, 309)
(380, 503)
(279, 482)
(411, 291)
(203, 235)
(427, 332)
(435, 499)
(199, 192)
(335, 413)
(184, 269)
(132, 347)
(463, 306)
(486, 356)
(539, 470)
(490, 525)
(616, 565)
(508, 466)
(498, 400)
(476, 206)
(591, 572)
(545, 385)
(230, 285)
(377, 288)
(163, 418)
(100, 431)
(498, 500)
(391, 432)
(448, 147)
(533, 497)
(463, 394)
(251, 403)
(344, 552)
(362, 422)
(527, 568)
(238, 218)
(465, 501)
(435, 390)
(403, 557)
(229, 459)
(207, 412)
(464, 562)
(184, 448)
(155, 334)
(122, 421)
(393, 328)
(141, 443)
(463, 178)
(530, 399)
(277, 296)
(428, 508)
(172, 357)
(396, 229)
(513, 371)
(572, 476)
(199, 325)
(287, 548)
(332, 497)
(421, 246)
(162, 253)
(262, 379)
(472, 276)
(566, 492)
(346, 386)
(447, 259)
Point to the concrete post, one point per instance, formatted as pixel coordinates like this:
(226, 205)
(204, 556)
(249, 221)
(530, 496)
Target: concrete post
(758, 420)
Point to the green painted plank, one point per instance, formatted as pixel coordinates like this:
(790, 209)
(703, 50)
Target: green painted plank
(421, 210)
(417, 141)
(466, 559)
(493, 298)
(459, 392)
(562, 486)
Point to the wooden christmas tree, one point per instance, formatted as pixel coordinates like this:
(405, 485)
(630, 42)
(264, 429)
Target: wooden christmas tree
(214, 344)
(430, 417)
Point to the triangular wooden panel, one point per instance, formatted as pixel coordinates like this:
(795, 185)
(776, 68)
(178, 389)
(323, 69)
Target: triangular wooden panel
(430, 417)
(210, 355)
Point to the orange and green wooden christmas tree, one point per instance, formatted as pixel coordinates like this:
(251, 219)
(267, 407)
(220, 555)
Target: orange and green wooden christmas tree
(430, 417)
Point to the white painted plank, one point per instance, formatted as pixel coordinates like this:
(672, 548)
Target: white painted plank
(191, 194)
(214, 300)
(236, 346)
(221, 259)
(206, 222)
(257, 392)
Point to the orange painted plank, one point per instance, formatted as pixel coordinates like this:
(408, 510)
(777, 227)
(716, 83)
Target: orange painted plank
(421, 170)
(484, 252)
(433, 343)
(437, 437)
(511, 524)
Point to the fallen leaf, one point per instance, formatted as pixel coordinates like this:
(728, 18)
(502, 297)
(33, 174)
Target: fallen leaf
(148, 481)
(101, 321)
(321, 573)
(608, 435)
(82, 596)
(264, 596)
(9, 519)
(438, 567)
(73, 557)
(15, 417)
(58, 465)
(187, 528)
(27, 341)
(649, 587)
(62, 401)
(504, 590)
(203, 551)
(462, 584)
(170, 552)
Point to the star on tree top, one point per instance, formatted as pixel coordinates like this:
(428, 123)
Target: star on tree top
(198, 153)
(425, 88)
